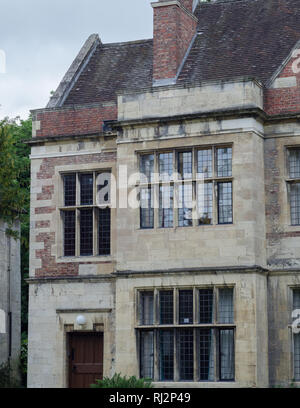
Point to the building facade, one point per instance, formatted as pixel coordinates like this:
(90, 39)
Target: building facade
(165, 204)
(10, 299)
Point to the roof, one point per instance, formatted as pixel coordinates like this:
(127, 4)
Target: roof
(238, 38)
(112, 68)
(248, 38)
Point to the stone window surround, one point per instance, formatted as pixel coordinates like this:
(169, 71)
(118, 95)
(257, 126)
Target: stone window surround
(176, 182)
(156, 326)
(78, 206)
(57, 219)
(290, 181)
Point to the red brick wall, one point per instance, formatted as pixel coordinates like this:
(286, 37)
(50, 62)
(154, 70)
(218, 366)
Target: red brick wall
(283, 100)
(188, 4)
(49, 266)
(75, 120)
(173, 32)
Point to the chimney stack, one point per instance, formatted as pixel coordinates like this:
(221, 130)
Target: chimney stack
(174, 26)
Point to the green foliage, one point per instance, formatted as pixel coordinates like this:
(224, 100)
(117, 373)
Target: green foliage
(6, 378)
(118, 381)
(20, 131)
(15, 202)
(12, 195)
(23, 357)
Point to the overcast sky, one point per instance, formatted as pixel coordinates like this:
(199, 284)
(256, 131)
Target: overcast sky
(40, 39)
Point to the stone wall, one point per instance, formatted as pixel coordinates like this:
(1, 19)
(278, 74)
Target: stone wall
(47, 197)
(250, 319)
(53, 310)
(258, 254)
(10, 296)
(283, 238)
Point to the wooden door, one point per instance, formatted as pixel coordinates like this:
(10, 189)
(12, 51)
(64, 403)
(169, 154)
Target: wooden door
(85, 352)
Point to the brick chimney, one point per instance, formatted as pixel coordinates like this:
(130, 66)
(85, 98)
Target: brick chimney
(174, 28)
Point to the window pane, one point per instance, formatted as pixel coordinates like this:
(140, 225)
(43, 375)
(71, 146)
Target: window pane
(186, 354)
(70, 190)
(226, 357)
(204, 165)
(166, 306)
(295, 204)
(205, 203)
(186, 307)
(166, 355)
(296, 299)
(206, 354)
(205, 306)
(166, 206)
(86, 232)
(86, 189)
(165, 166)
(225, 307)
(297, 357)
(104, 231)
(225, 203)
(185, 204)
(146, 316)
(185, 165)
(147, 354)
(294, 163)
(224, 162)
(69, 218)
(147, 210)
(147, 167)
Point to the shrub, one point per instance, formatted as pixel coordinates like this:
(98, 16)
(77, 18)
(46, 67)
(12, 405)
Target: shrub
(118, 381)
(7, 379)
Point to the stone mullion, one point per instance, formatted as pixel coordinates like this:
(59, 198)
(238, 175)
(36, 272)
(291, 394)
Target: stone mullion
(175, 204)
(196, 321)
(195, 357)
(156, 192)
(175, 335)
(95, 232)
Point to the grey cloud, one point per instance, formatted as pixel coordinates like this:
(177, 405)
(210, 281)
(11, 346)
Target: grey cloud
(42, 37)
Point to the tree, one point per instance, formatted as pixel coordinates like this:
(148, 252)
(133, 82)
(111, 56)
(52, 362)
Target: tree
(15, 200)
(12, 195)
(21, 131)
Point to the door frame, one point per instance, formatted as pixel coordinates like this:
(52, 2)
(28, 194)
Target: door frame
(69, 334)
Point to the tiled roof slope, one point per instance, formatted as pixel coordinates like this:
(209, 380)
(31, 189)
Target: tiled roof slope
(114, 67)
(241, 38)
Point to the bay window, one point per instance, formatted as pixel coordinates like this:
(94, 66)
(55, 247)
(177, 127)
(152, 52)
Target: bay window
(189, 332)
(193, 187)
